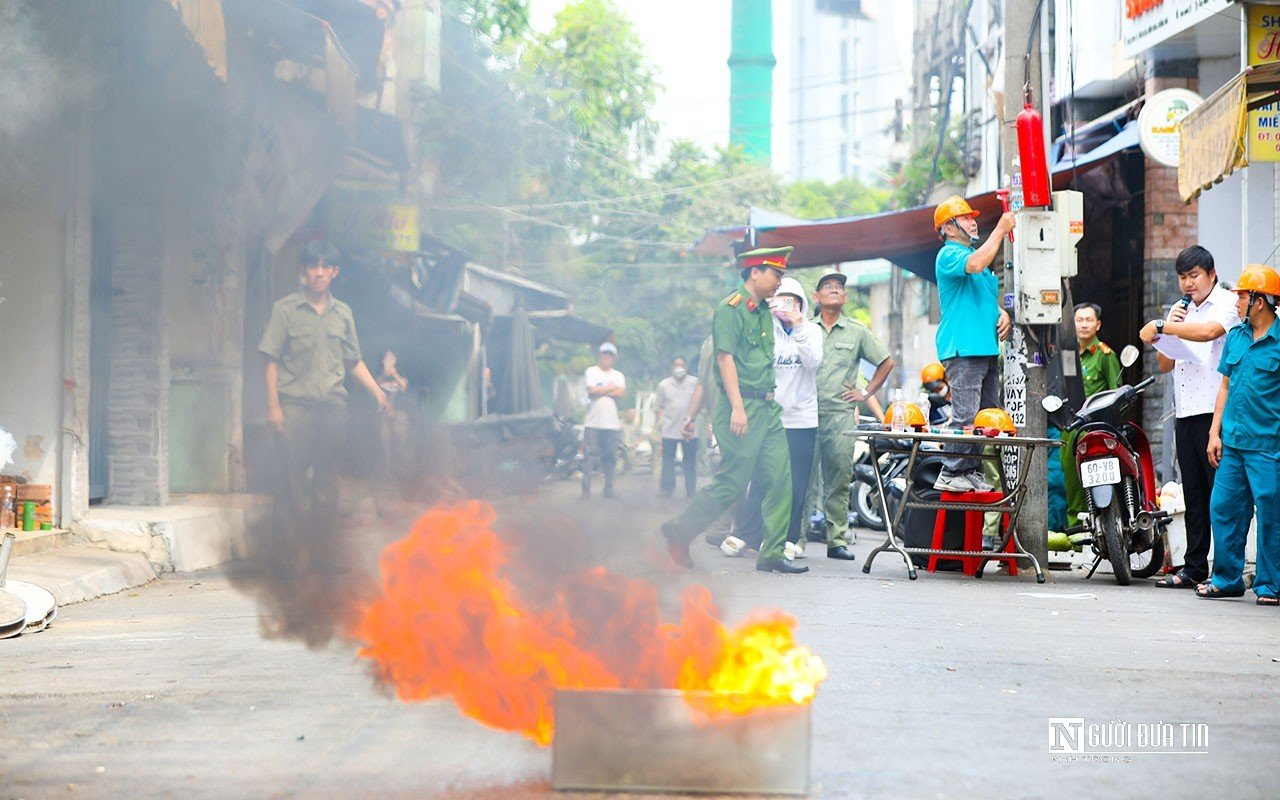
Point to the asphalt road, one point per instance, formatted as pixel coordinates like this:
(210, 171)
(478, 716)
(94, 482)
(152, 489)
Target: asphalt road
(938, 688)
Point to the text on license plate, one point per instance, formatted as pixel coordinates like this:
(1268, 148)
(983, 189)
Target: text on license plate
(1100, 472)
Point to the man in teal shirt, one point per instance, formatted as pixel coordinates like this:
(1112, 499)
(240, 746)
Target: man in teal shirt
(1244, 444)
(969, 333)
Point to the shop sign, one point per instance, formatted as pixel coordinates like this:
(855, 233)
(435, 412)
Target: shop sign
(1263, 136)
(1146, 23)
(1213, 140)
(371, 217)
(1158, 124)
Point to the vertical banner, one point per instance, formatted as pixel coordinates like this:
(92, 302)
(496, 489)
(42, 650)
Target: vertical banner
(1015, 394)
(1263, 136)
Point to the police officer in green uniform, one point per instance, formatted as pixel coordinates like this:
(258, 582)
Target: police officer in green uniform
(846, 344)
(746, 420)
(1100, 369)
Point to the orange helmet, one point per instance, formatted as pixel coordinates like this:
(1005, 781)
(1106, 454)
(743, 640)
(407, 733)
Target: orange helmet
(1259, 278)
(933, 372)
(915, 417)
(996, 418)
(954, 206)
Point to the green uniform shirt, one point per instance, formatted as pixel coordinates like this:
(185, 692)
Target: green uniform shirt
(312, 349)
(844, 348)
(1099, 368)
(743, 328)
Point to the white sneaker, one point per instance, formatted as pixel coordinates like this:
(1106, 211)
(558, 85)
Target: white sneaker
(953, 483)
(732, 546)
(980, 482)
(793, 551)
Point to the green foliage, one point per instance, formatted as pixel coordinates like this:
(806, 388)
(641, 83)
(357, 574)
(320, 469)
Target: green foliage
(911, 186)
(544, 149)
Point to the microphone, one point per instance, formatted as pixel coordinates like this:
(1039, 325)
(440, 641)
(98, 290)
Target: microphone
(1185, 301)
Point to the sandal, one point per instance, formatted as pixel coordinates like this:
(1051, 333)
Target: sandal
(1207, 591)
(1267, 600)
(1176, 581)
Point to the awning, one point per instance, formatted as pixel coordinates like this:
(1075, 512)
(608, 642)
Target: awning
(907, 237)
(1212, 141)
(568, 327)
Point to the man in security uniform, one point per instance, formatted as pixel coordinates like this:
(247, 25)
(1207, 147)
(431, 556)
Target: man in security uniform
(845, 345)
(1100, 370)
(746, 420)
(1244, 444)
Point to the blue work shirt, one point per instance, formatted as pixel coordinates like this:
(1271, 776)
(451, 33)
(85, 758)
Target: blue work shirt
(1251, 418)
(970, 306)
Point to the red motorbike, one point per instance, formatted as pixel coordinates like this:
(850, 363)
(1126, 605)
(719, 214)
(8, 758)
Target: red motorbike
(1113, 458)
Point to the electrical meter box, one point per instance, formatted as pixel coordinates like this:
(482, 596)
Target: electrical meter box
(1037, 268)
(1070, 208)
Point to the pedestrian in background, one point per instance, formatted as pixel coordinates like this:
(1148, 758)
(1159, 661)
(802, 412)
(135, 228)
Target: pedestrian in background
(747, 421)
(1201, 320)
(797, 353)
(674, 395)
(1244, 444)
(845, 345)
(970, 331)
(602, 426)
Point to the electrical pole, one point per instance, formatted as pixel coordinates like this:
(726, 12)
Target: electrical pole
(1025, 381)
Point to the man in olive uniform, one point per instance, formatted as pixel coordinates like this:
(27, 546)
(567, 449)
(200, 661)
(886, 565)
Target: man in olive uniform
(846, 344)
(1100, 369)
(746, 420)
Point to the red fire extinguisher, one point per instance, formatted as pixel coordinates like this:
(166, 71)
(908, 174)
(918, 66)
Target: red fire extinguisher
(1035, 166)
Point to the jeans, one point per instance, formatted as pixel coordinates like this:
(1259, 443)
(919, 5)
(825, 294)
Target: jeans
(1191, 438)
(749, 526)
(601, 445)
(975, 385)
(688, 463)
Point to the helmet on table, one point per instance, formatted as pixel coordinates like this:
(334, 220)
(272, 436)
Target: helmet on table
(915, 417)
(996, 418)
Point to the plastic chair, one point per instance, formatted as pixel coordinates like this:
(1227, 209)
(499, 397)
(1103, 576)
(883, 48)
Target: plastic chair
(974, 521)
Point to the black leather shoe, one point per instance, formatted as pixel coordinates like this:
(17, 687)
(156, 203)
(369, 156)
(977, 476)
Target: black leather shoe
(841, 553)
(780, 565)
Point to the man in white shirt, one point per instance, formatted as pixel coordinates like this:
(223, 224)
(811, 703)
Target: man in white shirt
(602, 428)
(1200, 320)
(675, 392)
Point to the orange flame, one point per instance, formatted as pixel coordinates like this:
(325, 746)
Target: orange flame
(449, 624)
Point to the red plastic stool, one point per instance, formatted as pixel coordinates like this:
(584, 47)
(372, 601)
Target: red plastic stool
(974, 521)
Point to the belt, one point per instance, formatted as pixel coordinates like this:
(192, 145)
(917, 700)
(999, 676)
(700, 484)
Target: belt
(748, 394)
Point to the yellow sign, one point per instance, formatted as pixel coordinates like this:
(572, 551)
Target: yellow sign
(371, 217)
(1212, 140)
(1264, 48)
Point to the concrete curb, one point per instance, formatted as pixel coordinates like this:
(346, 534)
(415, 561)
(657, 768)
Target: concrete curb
(77, 574)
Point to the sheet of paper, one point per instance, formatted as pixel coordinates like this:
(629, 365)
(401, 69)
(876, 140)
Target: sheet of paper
(1180, 350)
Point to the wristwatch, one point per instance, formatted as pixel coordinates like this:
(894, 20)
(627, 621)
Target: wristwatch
(1159, 327)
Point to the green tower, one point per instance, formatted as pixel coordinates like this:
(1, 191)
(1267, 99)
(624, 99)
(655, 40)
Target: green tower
(751, 65)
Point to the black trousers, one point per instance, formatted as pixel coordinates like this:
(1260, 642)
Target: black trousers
(314, 440)
(688, 463)
(749, 526)
(1192, 441)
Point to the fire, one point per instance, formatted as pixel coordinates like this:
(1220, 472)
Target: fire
(448, 623)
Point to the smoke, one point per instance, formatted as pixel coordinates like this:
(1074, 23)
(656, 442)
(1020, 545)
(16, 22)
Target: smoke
(41, 74)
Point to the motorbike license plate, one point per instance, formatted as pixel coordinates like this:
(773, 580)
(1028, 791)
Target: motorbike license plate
(1100, 472)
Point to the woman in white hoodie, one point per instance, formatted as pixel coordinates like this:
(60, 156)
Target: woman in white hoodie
(797, 352)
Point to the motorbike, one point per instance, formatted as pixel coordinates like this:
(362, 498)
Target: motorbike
(568, 454)
(1113, 459)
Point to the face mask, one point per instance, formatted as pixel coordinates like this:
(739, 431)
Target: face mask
(679, 372)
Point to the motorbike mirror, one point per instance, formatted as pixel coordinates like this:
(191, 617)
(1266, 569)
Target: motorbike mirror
(1129, 355)
(1051, 403)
